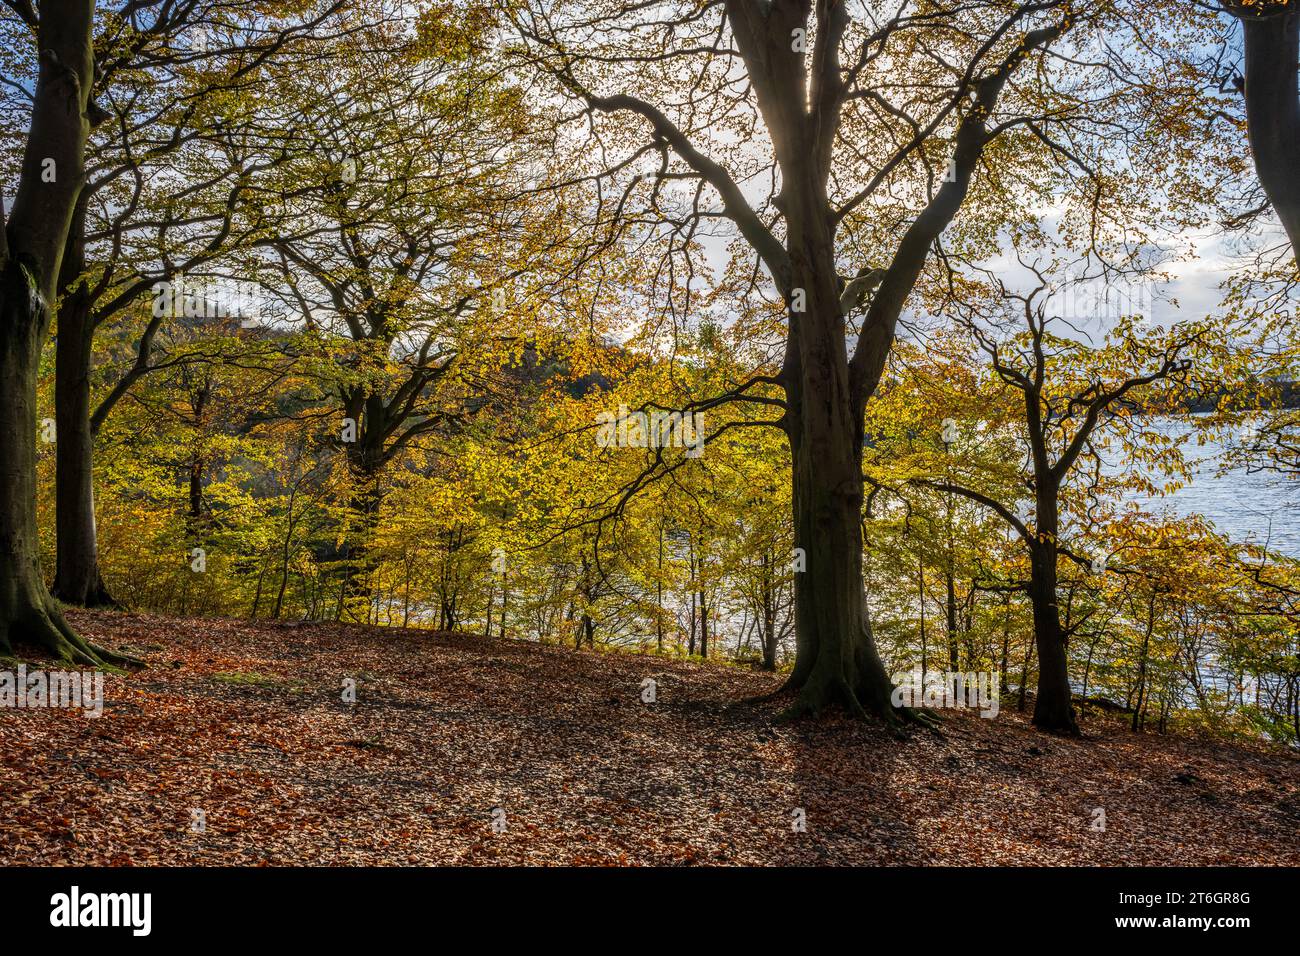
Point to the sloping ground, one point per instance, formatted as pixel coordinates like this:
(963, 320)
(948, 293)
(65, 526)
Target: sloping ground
(245, 722)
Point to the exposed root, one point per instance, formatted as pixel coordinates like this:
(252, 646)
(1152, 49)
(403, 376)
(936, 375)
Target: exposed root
(926, 719)
(800, 708)
(785, 690)
(45, 629)
(812, 704)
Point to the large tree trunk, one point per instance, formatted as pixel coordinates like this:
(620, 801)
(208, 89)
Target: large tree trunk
(1272, 46)
(835, 655)
(28, 615)
(1053, 707)
(76, 577)
(31, 252)
(836, 661)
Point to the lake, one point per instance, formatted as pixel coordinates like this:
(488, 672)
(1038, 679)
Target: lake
(1259, 507)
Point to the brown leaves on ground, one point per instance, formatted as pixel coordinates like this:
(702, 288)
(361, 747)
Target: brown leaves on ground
(245, 721)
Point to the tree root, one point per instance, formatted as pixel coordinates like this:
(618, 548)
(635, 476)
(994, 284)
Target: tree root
(45, 628)
(926, 719)
(841, 694)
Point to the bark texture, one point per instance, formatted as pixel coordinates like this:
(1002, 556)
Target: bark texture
(31, 253)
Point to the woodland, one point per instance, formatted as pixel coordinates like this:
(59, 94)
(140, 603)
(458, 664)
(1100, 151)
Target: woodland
(778, 348)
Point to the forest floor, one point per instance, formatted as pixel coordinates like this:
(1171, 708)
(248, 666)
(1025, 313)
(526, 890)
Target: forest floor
(455, 737)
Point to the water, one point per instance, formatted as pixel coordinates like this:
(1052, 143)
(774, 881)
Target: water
(1258, 507)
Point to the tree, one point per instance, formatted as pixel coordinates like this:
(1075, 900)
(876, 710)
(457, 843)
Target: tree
(400, 267)
(163, 79)
(31, 252)
(1067, 391)
(1271, 46)
(824, 83)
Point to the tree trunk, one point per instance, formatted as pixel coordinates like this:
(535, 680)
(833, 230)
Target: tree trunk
(920, 591)
(1053, 707)
(505, 603)
(1006, 643)
(76, 577)
(769, 615)
(950, 587)
(836, 661)
(1140, 706)
(659, 594)
(1271, 37)
(32, 244)
(28, 614)
(1024, 676)
(364, 505)
(690, 646)
(704, 625)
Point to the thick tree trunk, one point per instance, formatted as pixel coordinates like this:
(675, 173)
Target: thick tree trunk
(1053, 707)
(836, 661)
(835, 656)
(32, 244)
(29, 617)
(1271, 35)
(76, 577)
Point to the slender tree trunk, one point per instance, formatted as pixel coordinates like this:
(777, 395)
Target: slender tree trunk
(257, 593)
(1087, 667)
(505, 602)
(1140, 706)
(920, 592)
(406, 592)
(769, 615)
(284, 569)
(690, 646)
(1024, 676)
(1006, 643)
(950, 586)
(1053, 708)
(76, 577)
(704, 624)
(659, 595)
(1294, 694)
